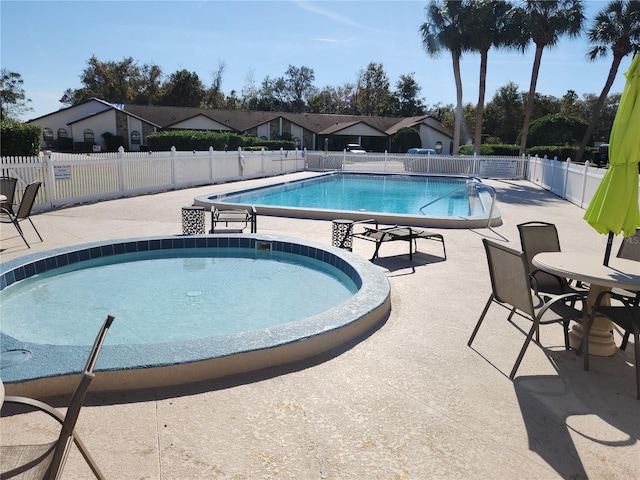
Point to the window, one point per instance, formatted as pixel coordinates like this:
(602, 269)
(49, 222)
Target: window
(62, 133)
(88, 136)
(47, 134)
(135, 137)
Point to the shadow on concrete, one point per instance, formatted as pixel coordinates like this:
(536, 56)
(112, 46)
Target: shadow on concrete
(555, 409)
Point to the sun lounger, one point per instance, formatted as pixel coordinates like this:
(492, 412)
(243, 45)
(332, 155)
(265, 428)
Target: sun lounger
(241, 218)
(398, 233)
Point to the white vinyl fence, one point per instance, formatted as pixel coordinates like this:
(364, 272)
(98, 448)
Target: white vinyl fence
(70, 179)
(574, 182)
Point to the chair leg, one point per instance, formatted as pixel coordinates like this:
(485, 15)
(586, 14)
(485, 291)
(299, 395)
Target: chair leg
(34, 227)
(565, 326)
(533, 329)
(477, 327)
(625, 340)
(636, 339)
(17, 225)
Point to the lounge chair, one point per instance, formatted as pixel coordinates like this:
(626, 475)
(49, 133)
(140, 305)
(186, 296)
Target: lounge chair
(241, 218)
(397, 233)
(46, 461)
(24, 210)
(511, 289)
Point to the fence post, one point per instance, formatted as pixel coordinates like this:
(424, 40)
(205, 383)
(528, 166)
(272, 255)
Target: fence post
(584, 182)
(211, 167)
(49, 181)
(173, 167)
(240, 162)
(566, 177)
(124, 185)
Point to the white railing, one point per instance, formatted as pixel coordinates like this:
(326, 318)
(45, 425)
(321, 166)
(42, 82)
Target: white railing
(574, 182)
(75, 178)
(480, 166)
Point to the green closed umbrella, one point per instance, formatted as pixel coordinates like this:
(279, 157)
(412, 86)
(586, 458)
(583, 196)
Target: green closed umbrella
(614, 207)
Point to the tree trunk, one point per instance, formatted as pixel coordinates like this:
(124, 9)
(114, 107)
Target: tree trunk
(458, 117)
(477, 137)
(598, 108)
(530, 99)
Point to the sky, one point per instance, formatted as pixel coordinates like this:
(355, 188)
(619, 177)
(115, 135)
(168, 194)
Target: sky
(50, 42)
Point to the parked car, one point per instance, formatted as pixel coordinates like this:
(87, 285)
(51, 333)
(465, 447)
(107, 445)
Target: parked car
(421, 151)
(355, 148)
(408, 161)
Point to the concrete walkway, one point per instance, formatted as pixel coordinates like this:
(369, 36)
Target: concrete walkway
(411, 401)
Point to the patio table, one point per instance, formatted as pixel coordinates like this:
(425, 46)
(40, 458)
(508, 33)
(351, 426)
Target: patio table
(589, 268)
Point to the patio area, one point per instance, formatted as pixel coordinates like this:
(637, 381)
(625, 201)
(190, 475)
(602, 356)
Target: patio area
(409, 401)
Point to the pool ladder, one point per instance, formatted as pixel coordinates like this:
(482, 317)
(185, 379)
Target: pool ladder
(474, 183)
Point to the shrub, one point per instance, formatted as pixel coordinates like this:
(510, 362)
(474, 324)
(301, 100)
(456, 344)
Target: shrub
(492, 149)
(112, 142)
(404, 139)
(202, 140)
(19, 139)
(556, 129)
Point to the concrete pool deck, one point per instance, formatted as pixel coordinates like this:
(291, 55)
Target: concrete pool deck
(410, 401)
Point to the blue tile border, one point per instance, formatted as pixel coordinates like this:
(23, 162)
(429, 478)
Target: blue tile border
(54, 360)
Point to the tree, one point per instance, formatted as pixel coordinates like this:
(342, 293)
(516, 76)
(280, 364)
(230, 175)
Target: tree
(115, 82)
(617, 27)
(150, 78)
(546, 22)
(504, 113)
(374, 96)
(570, 105)
(299, 82)
(183, 89)
(607, 115)
(325, 101)
(442, 31)
(556, 129)
(13, 100)
(404, 139)
(406, 97)
(214, 97)
(490, 23)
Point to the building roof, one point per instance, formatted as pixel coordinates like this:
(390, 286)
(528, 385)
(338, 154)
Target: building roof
(244, 120)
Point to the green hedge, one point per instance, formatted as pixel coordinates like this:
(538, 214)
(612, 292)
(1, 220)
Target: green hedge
(202, 140)
(551, 151)
(562, 152)
(19, 139)
(506, 150)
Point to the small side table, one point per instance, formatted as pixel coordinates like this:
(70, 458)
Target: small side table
(342, 235)
(193, 220)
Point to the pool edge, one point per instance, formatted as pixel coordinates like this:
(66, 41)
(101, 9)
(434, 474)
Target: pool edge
(283, 344)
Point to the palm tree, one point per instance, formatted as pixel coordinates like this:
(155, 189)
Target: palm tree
(547, 21)
(490, 23)
(617, 26)
(443, 31)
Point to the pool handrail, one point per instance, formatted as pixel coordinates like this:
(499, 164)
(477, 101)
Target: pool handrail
(476, 183)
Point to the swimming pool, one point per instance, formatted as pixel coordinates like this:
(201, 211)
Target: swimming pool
(198, 351)
(418, 200)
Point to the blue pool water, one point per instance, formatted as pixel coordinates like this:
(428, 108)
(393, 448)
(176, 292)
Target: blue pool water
(171, 295)
(187, 308)
(394, 194)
